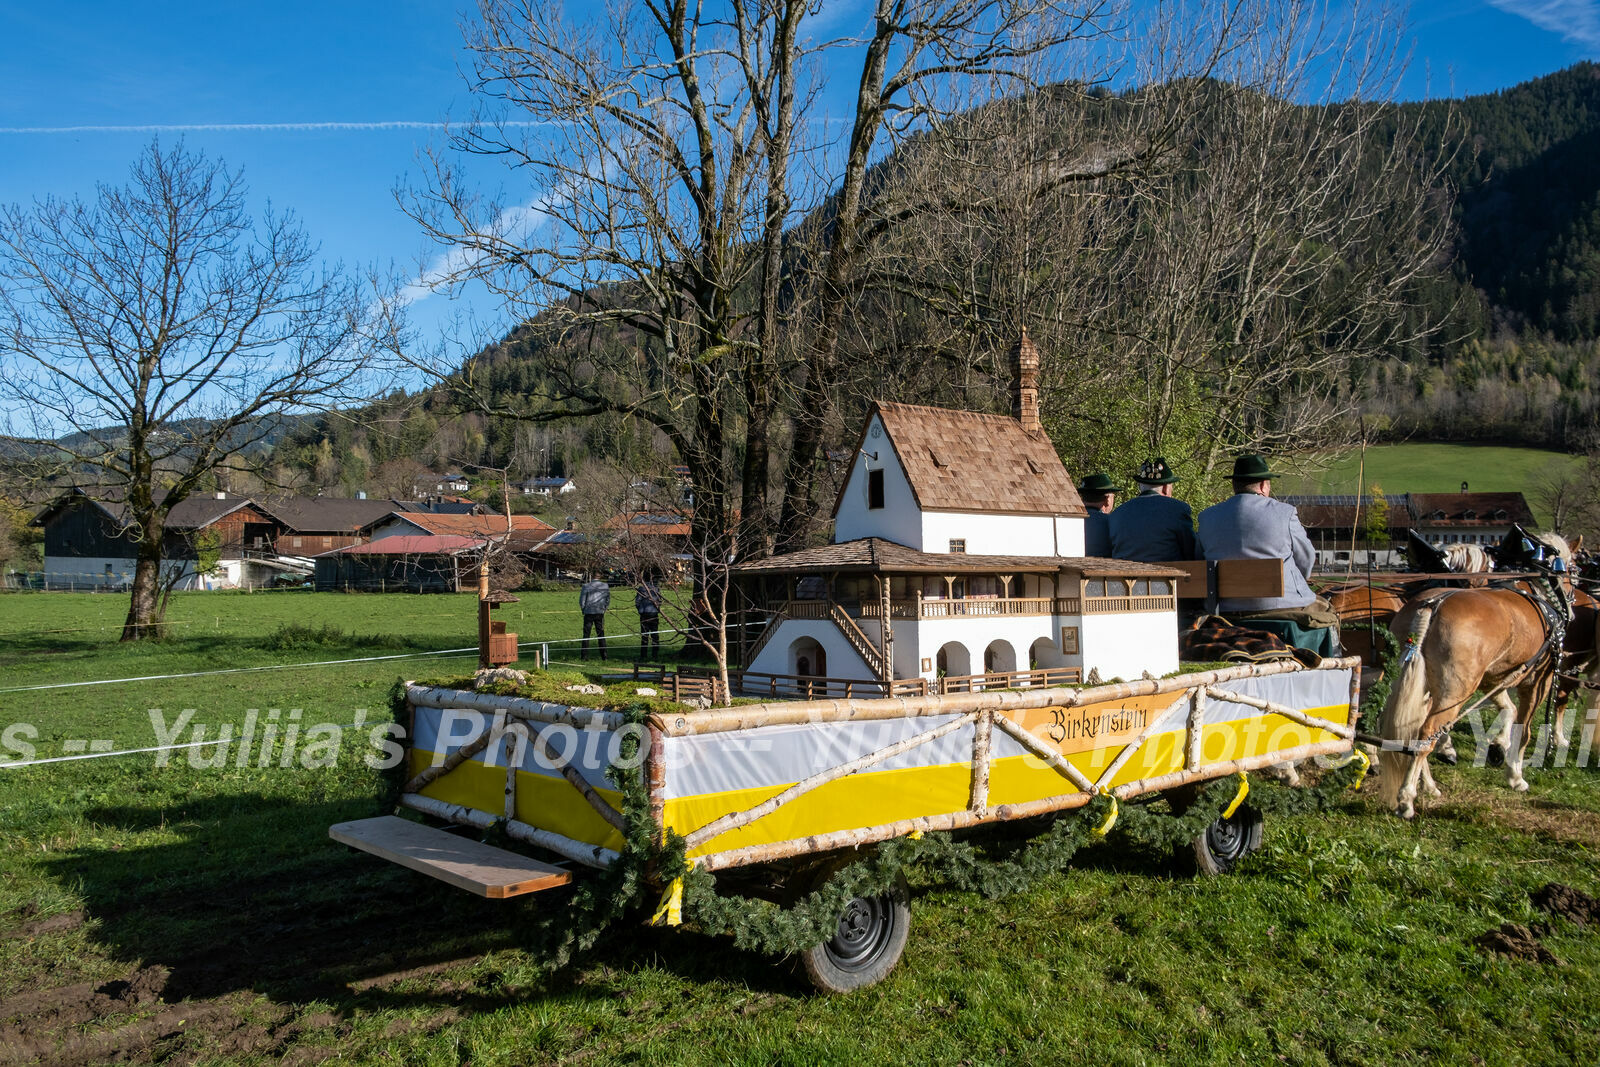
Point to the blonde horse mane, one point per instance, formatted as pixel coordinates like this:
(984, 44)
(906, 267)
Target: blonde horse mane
(1467, 559)
(1558, 544)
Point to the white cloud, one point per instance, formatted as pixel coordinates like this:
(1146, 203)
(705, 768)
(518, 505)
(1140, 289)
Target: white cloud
(1575, 20)
(511, 225)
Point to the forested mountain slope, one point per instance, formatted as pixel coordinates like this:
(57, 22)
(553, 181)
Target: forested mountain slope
(1515, 361)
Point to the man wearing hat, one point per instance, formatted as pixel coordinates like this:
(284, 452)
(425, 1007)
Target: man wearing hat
(1100, 497)
(1251, 525)
(1153, 527)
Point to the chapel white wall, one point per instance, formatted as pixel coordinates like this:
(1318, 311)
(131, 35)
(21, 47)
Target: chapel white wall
(1126, 645)
(899, 520)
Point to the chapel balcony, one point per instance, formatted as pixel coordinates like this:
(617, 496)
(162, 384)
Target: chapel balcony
(974, 607)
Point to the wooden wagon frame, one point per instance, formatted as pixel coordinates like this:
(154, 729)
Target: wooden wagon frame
(803, 782)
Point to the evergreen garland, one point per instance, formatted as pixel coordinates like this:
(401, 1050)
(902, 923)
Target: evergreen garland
(600, 898)
(978, 860)
(960, 864)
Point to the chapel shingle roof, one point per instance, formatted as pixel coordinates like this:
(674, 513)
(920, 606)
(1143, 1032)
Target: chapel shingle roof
(966, 461)
(874, 554)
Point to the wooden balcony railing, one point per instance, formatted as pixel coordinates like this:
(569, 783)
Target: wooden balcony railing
(1105, 605)
(808, 687)
(804, 609)
(811, 687)
(969, 607)
(1041, 678)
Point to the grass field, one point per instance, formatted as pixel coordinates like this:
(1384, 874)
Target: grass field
(1438, 468)
(187, 914)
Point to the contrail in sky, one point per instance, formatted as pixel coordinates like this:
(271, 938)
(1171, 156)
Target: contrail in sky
(242, 127)
(1575, 20)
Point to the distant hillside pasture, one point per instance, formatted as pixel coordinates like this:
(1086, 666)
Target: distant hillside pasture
(1439, 468)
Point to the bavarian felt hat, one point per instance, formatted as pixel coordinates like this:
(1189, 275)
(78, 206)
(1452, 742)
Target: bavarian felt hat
(1098, 482)
(1155, 472)
(1251, 467)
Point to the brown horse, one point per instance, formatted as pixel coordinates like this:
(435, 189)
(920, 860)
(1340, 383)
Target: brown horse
(1455, 641)
(1580, 671)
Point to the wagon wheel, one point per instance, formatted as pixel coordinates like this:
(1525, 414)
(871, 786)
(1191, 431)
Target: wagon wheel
(1228, 840)
(870, 938)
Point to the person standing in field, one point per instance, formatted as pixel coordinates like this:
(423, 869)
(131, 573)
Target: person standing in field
(1153, 527)
(647, 601)
(593, 600)
(1100, 497)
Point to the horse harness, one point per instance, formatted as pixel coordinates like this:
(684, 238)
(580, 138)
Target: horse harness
(1554, 607)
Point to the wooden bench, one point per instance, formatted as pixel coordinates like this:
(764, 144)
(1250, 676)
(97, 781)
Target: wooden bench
(472, 865)
(1220, 579)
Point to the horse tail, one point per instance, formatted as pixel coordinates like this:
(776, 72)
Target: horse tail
(1407, 707)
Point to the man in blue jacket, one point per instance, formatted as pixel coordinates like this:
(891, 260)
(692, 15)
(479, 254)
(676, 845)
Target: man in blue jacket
(1100, 497)
(1251, 525)
(1153, 527)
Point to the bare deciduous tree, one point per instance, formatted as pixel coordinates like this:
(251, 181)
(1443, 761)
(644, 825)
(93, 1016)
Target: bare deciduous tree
(1242, 288)
(1572, 498)
(165, 330)
(1207, 258)
(671, 150)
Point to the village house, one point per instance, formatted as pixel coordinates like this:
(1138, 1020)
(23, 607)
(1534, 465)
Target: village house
(1338, 524)
(90, 543)
(1468, 518)
(957, 562)
(426, 552)
(555, 486)
(312, 525)
(481, 526)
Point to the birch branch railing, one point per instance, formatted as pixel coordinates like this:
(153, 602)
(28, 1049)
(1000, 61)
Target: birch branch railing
(513, 718)
(986, 711)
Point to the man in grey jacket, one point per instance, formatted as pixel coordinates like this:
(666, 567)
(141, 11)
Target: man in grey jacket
(593, 600)
(1251, 525)
(1153, 527)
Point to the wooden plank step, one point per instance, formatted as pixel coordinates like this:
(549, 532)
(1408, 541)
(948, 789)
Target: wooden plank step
(472, 865)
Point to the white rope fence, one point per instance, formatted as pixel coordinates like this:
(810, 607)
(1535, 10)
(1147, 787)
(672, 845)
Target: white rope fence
(546, 645)
(574, 642)
(359, 723)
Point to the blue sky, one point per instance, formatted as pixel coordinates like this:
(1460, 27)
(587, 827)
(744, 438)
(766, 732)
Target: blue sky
(299, 95)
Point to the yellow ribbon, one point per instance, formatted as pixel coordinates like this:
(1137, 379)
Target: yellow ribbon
(1238, 798)
(671, 907)
(1366, 765)
(1111, 819)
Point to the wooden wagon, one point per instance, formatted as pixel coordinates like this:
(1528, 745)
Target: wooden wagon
(797, 785)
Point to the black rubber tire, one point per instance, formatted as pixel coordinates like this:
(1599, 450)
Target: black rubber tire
(872, 936)
(1227, 841)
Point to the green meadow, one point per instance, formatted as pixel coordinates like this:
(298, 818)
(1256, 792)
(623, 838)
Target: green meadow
(169, 911)
(1437, 468)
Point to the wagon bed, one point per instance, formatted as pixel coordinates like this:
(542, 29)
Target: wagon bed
(801, 780)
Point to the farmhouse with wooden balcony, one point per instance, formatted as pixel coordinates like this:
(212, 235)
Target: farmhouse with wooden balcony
(957, 563)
